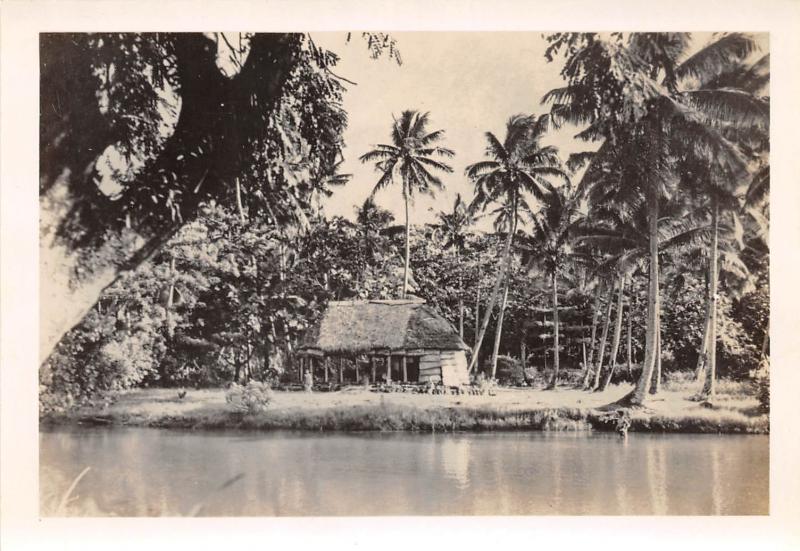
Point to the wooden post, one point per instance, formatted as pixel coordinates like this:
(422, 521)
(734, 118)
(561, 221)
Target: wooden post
(372, 363)
(405, 369)
(302, 367)
(325, 361)
(389, 367)
(358, 377)
(341, 370)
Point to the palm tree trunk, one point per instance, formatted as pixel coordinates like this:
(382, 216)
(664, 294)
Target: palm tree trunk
(239, 205)
(554, 379)
(499, 330)
(408, 246)
(630, 336)
(617, 336)
(709, 388)
(523, 353)
(639, 394)
(495, 291)
(171, 298)
(477, 308)
(655, 384)
(461, 318)
(603, 339)
(460, 296)
(703, 354)
(595, 315)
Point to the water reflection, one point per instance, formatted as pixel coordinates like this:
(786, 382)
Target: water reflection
(657, 478)
(143, 472)
(454, 457)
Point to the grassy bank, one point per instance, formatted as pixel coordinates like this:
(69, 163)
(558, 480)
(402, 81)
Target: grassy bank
(355, 409)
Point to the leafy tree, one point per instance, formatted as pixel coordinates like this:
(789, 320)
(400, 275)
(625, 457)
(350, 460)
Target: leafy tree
(138, 130)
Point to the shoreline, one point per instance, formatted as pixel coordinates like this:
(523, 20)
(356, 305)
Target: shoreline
(355, 410)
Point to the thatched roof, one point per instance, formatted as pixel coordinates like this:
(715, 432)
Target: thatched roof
(354, 327)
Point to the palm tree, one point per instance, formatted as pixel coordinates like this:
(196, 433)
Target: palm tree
(638, 93)
(408, 158)
(724, 184)
(371, 220)
(623, 240)
(552, 226)
(454, 225)
(517, 167)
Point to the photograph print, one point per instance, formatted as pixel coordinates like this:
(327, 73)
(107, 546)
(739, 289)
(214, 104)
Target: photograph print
(404, 273)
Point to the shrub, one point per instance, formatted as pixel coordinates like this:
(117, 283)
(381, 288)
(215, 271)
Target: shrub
(509, 370)
(530, 374)
(252, 398)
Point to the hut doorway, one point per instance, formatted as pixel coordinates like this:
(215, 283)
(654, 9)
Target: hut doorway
(412, 368)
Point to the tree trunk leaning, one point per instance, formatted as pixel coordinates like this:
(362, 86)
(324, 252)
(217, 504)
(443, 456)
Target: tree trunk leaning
(617, 336)
(655, 384)
(495, 292)
(630, 338)
(239, 205)
(499, 330)
(603, 338)
(595, 315)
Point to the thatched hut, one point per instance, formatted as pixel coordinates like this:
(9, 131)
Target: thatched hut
(391, 340)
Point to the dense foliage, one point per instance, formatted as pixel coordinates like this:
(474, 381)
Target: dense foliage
(664, 237)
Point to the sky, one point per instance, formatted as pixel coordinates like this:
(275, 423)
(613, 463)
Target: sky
(470, 82)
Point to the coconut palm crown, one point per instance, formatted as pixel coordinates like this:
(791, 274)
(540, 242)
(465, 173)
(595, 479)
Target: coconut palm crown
(409, 159)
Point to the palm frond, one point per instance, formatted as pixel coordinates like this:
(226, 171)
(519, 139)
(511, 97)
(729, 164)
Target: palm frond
(758, 190)
(384, 181)
(432, 137)
(730, 105)
(480, 168)
(715, 57)
(376, 155)
(494, 148)
(576, 161)
(434, 163)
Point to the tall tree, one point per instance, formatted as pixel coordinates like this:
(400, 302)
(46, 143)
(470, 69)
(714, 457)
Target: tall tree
(635, 92)
(552, 227)
(519, 167)
(138, 130)
(454, 226)
(408, 158)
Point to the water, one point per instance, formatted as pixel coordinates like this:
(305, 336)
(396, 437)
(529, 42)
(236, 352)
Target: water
(136, 471)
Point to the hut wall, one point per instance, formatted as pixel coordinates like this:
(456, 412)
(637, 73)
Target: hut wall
(430, 367)
(454, 367)
(447, 366)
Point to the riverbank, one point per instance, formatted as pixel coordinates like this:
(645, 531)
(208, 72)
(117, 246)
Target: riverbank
(356, 409)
